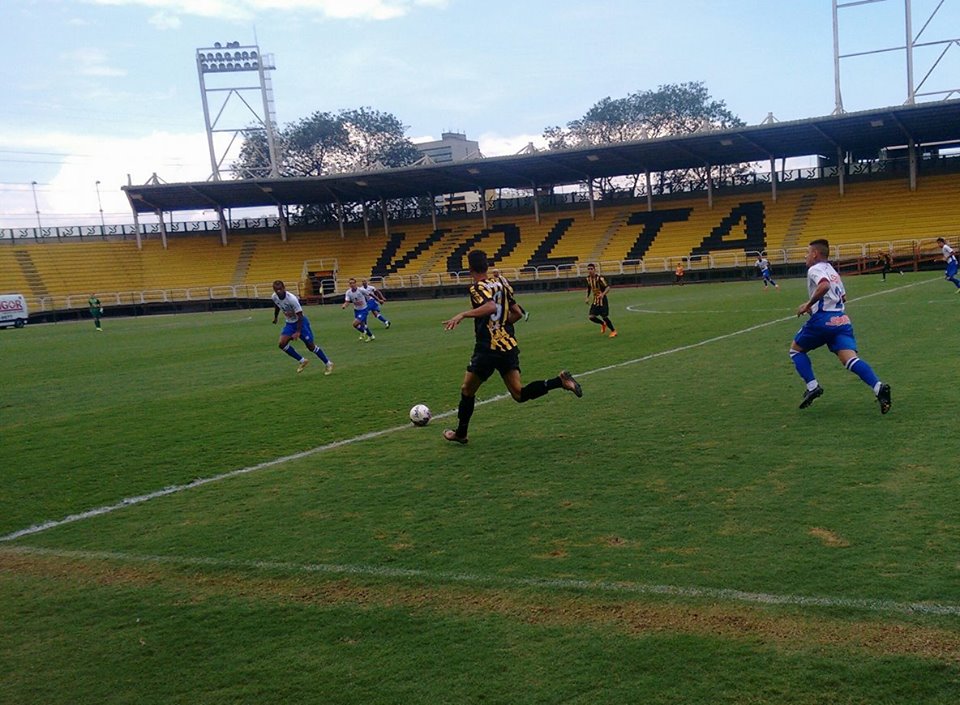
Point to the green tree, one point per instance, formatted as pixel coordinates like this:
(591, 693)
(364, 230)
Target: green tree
(326, 143)
(672, 109)
(330, 143)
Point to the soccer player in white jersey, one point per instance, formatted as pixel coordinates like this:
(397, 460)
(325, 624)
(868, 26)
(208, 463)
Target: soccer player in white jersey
(950, 257)
(830, 326)
(763, 264)
(355, 296)
(295, 326)
(374, 298)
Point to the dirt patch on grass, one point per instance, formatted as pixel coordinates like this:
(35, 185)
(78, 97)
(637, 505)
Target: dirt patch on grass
(638, 616)
(829, 538)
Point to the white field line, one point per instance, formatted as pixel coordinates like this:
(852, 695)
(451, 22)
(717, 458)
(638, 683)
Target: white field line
(174, 489)
(588, 586)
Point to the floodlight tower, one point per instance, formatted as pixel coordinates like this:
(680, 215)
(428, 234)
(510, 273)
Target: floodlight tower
(911, 43)
(219, 69)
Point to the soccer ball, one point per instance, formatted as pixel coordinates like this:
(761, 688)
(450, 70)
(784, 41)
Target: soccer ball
(420, 415)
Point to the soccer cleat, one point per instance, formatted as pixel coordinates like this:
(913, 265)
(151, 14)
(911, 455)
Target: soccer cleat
(569, 383)
(883, 396)
(371, 337)
(810, 395)
(613, 334)
(603, 328)
(451, 435)
(329, 369)
(363, 338)
(526, 315)
(386, 324)
(303, 363)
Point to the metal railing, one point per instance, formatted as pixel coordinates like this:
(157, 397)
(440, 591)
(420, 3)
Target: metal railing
(924, 249)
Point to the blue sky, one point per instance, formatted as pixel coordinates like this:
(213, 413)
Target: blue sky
(98, 89)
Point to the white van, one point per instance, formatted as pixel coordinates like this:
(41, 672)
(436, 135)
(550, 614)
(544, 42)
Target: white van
(13, 310)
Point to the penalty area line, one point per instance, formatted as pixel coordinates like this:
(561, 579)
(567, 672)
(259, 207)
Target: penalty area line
(588, 586)
(200, 482)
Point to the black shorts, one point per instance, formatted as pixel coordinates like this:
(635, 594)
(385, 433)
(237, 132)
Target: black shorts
(600, 309)
(485, 362)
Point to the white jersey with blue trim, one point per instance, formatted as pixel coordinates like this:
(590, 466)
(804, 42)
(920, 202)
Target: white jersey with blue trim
(357, 298)
(369, 291)
(948, 254)
(289, 305)
(834, 298)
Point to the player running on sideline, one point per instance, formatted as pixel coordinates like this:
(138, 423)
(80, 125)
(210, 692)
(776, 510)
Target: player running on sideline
(355, 296)
(375, 297)
(496, 348)
(295, 326)
(830, 326)
(950, 257)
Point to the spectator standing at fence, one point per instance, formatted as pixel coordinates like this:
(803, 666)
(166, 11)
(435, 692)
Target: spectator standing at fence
(96, 311)
(678, 274)
(829, 325)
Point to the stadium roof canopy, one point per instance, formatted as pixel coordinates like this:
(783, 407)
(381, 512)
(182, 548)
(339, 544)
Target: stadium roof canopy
(865, 132)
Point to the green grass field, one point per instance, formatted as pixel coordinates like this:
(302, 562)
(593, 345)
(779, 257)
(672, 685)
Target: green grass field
(681, 534)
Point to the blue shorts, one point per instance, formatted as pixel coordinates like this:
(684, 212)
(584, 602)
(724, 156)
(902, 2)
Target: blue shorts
(373, 306)
(952, 268)
(306, 333)
(830, 328)
(361, 314)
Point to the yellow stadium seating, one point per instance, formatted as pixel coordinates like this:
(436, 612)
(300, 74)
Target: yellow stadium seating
(870, 215)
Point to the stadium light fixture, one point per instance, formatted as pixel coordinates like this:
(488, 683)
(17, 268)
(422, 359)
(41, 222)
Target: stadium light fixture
(36, 206)
(103, 226)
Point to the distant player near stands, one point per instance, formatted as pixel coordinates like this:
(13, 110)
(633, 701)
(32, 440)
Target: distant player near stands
(375, 297)
(496, 349)
(96, 311)
(678, 274)
(495, 274)
(355, 296)
(830, 326)
(950, 257)
(597, 289)
(295, 326)
(763, 266)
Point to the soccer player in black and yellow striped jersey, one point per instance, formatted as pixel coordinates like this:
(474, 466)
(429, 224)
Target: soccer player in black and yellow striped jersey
(494, 311)
(597, 289)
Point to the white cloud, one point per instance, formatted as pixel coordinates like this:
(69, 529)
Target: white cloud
(91, 61)
(70, 197)
(244, 10)
(163, 20)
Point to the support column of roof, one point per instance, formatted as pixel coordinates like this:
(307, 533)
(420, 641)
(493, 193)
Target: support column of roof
(136, 218)
(383, 214)
(433, 211)
(163, 229)
(593, 215)
(366, 219)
